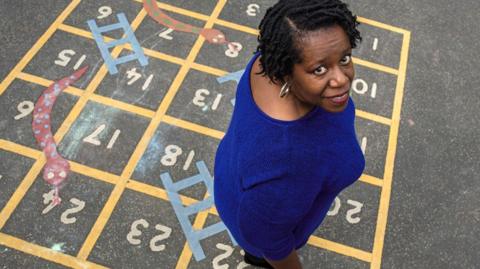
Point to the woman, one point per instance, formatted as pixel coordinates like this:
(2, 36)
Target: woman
(291, 146)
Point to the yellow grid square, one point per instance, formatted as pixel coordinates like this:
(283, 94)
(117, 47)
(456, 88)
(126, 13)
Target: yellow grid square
(124, 180)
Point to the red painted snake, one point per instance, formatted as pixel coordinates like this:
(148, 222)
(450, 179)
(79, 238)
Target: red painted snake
(57, 168)
(211, 35)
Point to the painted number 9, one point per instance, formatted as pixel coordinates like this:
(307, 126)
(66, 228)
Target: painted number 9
(25, 108)
(104, 11)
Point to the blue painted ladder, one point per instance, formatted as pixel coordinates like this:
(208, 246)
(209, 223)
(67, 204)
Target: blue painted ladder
(129, 37)
(182, 212)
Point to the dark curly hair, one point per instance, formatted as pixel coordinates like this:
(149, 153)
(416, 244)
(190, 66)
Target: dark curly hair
(288, 21)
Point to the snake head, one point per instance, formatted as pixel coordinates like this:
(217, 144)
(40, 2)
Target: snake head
(214, 36)
(56, 171)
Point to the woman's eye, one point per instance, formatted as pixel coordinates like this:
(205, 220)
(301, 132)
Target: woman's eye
(320, 70)
(346, 60)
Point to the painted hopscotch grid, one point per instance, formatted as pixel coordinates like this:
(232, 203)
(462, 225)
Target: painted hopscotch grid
(125, 181)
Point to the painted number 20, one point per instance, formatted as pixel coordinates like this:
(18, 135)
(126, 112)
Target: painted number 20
(350, 218)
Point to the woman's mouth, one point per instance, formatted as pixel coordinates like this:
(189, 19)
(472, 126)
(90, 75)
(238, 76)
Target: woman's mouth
(339, 99)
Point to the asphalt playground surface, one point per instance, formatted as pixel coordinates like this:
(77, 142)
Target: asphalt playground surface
(135, 140)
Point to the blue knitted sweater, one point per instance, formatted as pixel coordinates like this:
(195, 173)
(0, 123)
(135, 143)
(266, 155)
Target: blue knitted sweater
(274, 180)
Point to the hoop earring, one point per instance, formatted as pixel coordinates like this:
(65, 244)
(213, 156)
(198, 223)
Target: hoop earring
(284, 90)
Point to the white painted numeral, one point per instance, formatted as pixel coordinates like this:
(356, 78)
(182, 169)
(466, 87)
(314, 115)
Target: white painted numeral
(350, 218)
(79, 206)
(113, 139)
(228, 251)
(336, 207)
(93, 137)
(216, 102)
(233, 49)
(171, 154)
(360, 86)
(133, 75)
(357, 208)
(66, 217)
(364, 145)
(199, 99)
(25, 108)
(147, 82)
(104, 11)
(48, 199)
(165, 34)
(134, 231)
(188, 162)
(80, 62)
(65, 56)
(252, 10)
(167, 231)
(375, 44)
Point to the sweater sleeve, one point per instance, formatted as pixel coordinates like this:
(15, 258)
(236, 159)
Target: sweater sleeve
(268, 213)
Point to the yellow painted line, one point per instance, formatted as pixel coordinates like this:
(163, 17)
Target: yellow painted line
(20, 149)
(94, 97)
(186, 255)
(371, 180)
(21, 191)
(94, 173)
(81, 32)
(37, 46)
(46, 83)
(382, 25)
(157, 192)
(193, 127)
(238, 27)
(107, 210)
(45, 253)
(373, 117)
(375, 66)
(161, 56)
(148, 52)
(144, 112)
(390, 160)
(181, 11)
(75, 167)
(75, 112)
(209, 70)
(340, 248)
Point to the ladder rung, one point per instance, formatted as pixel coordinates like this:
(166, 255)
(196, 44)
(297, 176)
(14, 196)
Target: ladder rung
(117, 42)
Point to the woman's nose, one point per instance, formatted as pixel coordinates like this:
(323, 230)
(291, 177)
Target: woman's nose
(338, 78)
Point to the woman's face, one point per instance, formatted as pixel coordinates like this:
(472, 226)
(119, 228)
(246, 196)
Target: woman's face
(326, 72)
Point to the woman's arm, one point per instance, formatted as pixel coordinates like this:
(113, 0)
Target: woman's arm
(290, 262)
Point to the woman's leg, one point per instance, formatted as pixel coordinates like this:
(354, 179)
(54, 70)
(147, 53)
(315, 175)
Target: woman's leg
(257, 261)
